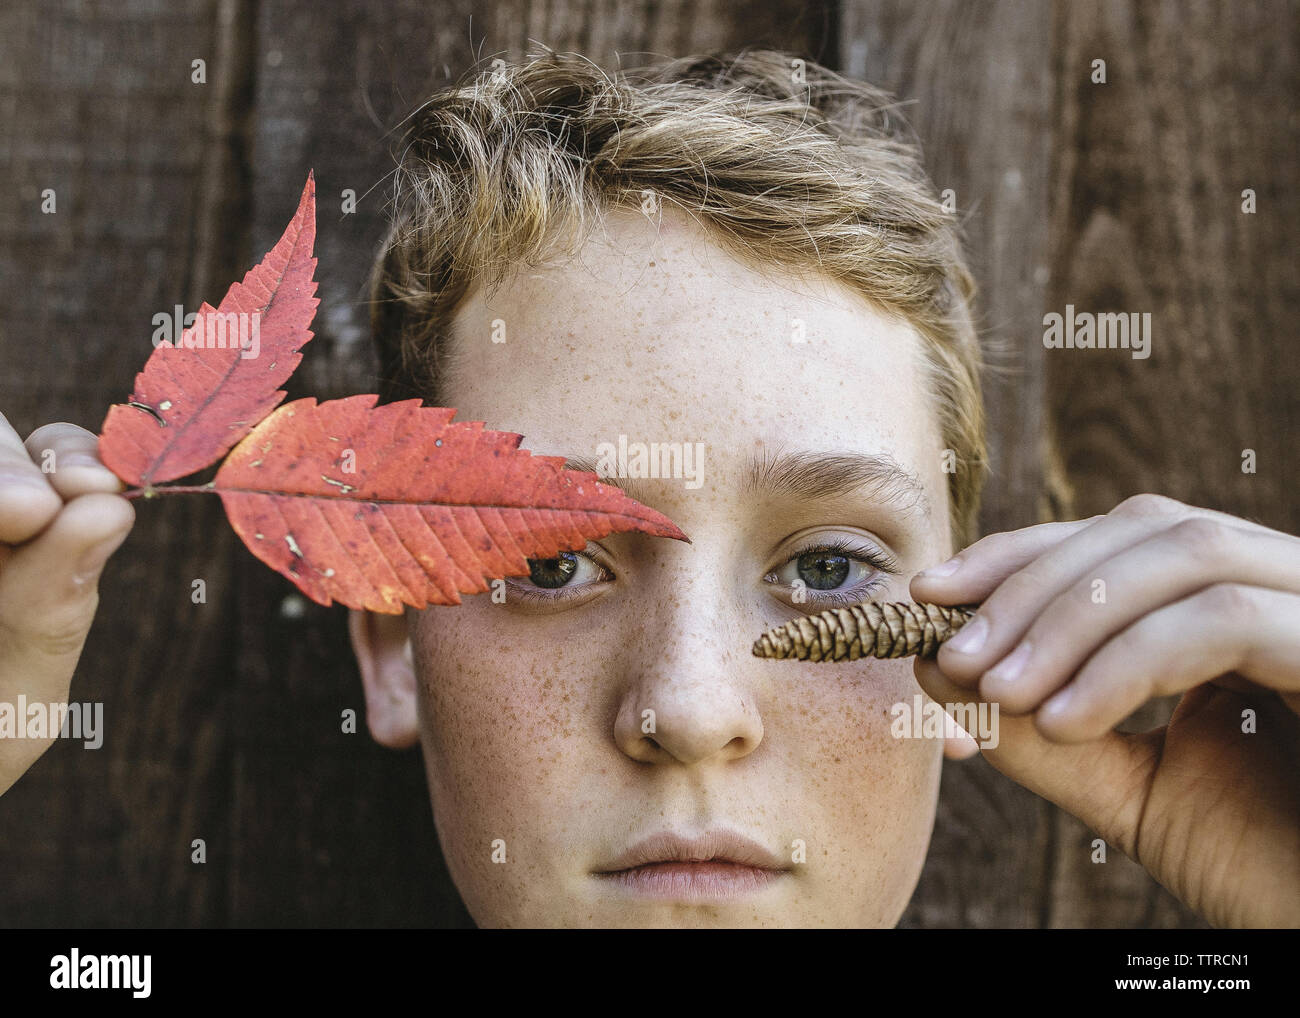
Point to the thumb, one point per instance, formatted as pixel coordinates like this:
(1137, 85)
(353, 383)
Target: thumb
(48, 598)
(1103, 782)
(48, 587)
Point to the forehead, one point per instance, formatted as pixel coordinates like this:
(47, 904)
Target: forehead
(655, 331)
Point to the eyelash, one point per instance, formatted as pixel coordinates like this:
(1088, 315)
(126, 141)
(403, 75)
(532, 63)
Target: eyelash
(868, 555)
(523, 589)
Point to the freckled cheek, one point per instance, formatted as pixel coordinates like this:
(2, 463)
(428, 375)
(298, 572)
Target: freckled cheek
(507, 733)
(874, 793)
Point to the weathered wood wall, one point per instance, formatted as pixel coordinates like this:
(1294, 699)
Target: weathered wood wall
(223, 718)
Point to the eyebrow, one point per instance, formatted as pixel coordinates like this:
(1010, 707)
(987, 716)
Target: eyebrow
(810, 476)
(813, 475)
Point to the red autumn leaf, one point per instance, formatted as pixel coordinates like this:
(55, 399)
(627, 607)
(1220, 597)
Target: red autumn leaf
(374, 507)
(194, 400)
(377, 507)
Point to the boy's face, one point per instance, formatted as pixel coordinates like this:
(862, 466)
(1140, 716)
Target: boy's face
(532, 714)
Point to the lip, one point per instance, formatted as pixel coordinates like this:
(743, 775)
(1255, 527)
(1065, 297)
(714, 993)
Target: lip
(714, 866)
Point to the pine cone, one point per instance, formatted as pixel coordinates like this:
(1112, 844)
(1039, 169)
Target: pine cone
(872, 629)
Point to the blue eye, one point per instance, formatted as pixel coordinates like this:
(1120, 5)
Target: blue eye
(834, 572)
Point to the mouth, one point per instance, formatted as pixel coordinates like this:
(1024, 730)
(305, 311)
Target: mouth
(716, 866)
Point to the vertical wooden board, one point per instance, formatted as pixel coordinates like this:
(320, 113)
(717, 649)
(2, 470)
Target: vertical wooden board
(1197, 105)
(331, 89)
(329, 828)
(975, 80)
(99, 105)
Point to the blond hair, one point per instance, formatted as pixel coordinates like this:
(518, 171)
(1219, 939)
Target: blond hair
(803, 171)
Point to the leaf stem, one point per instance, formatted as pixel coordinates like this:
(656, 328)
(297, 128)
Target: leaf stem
(170, 489)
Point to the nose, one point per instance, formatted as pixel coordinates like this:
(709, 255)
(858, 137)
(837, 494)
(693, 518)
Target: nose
(688, 703)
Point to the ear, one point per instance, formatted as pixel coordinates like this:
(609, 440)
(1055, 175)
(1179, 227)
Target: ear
(383, 649)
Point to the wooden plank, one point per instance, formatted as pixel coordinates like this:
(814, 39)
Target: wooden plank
(1198, 105)
(99, 105)
(975, 80)
(1146, 217)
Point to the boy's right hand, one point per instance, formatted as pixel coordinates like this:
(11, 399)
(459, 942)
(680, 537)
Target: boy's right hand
(61, 517)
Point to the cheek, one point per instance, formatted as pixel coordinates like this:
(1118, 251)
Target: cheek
(506, 734)
(867, 796)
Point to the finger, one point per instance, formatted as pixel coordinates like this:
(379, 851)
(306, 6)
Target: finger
(959, 734)
(1172, 564)
(1008, 611)
(69, 458)
(1102, 782)
(960, 745)
(48, 588)
(971, 575)
(27, 500)
(1228, 627)
(47, 602)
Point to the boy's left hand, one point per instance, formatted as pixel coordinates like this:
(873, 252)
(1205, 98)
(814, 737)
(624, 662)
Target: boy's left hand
(1083, 622)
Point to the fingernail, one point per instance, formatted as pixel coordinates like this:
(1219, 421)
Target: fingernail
(972, 636)
(93, 559)
(1009, 668)
(81, 459)
(943, 568)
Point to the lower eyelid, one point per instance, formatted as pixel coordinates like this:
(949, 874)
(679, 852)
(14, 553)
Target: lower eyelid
(868, 582)
(852, 595)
